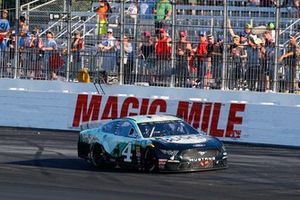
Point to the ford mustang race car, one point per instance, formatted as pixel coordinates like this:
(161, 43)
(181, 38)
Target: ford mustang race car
(151, 143)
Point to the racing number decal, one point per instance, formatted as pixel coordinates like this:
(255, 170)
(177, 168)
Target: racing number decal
(127, 152)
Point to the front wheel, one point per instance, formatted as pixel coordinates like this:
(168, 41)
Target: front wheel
(151, 161)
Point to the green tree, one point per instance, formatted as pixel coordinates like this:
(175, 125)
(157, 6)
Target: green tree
(81, 5)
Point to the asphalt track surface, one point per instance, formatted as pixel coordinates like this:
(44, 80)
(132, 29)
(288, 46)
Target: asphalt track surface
(43, 165)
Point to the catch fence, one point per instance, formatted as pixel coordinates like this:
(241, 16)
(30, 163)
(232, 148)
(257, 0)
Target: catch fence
(208, 44)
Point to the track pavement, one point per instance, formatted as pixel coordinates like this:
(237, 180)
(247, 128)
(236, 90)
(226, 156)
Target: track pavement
(39, 164)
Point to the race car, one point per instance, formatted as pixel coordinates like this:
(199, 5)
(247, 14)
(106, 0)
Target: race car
(151, 143)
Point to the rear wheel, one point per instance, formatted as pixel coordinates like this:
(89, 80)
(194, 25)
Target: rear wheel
(151, 161)
(97, 155)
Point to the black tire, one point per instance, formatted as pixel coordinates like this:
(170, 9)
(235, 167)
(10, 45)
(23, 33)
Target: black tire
(150, 161)
(97, 156)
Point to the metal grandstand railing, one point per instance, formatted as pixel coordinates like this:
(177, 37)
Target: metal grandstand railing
(225, 65)
(57, 23)
(36, 4)
(291, 27)
(32, 6)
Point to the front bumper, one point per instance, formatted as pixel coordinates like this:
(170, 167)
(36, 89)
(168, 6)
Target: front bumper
(188, 166)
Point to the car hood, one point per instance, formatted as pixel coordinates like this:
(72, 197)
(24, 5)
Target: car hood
(185, 141)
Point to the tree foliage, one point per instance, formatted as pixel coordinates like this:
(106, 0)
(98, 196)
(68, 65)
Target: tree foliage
(81, 5)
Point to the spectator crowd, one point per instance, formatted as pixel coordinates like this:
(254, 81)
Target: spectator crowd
(246, 62)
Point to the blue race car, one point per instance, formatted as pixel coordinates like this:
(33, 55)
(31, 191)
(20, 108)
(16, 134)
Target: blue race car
(151, 143)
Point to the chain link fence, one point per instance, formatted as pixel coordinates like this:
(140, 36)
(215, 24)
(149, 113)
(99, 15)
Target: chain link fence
(208, 44)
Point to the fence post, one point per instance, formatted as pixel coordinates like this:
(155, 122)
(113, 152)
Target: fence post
(224, 68)
(69, 37)
(136, 21)
(173, 56)
(65, 6)
(17, 53)
(122, 10)
(212, 25)
(277, 34)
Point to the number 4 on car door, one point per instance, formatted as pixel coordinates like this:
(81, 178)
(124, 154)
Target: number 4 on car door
(127, 152)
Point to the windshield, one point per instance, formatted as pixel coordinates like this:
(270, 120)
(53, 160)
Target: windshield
(166, 128)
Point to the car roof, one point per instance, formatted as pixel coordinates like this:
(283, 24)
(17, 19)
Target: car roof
(152, 118)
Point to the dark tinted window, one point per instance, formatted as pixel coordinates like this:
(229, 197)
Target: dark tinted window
(166, 128)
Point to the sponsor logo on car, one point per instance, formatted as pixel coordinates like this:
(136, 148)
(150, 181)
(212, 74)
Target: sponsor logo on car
(202, 159)
(189, 139)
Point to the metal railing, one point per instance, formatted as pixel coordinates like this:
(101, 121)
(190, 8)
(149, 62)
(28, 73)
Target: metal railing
(27, 7)
(74, 27)
(222, 64)
(241, 74)
(57, 23)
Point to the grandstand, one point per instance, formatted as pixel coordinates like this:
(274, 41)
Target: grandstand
(207, 17)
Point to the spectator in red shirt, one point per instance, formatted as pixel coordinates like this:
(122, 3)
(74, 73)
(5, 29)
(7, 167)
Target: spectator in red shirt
(163, 54)
(201, 55)
(163, 46)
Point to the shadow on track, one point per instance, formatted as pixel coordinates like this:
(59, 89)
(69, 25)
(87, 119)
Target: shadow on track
(71, 164)
(81, 165)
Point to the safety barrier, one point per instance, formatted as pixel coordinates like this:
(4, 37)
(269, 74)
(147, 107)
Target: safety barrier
(252, 117)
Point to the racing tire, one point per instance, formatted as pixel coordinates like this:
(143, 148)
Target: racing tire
(97, 156)
(150, 161)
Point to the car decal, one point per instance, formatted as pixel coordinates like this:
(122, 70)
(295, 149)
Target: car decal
(186, 139)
